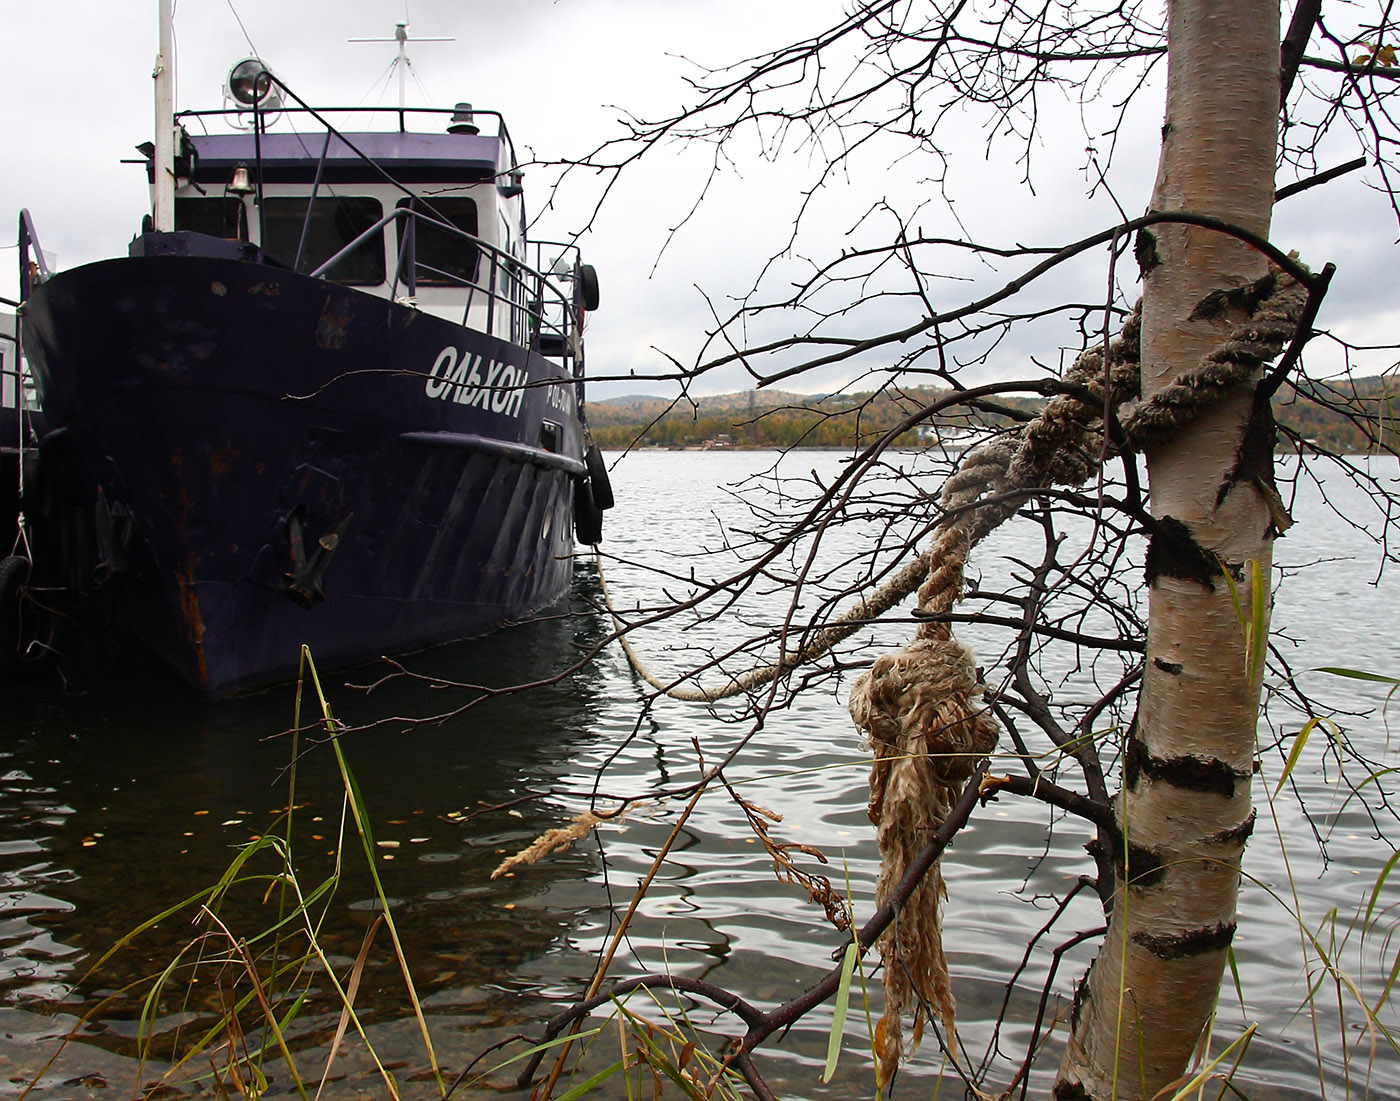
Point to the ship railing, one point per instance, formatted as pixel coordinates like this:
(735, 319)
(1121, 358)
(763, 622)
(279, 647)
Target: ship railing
(10, 389)
(536, 311)
(318, 113)
(514, 300)
(17, 392)
(261, 113)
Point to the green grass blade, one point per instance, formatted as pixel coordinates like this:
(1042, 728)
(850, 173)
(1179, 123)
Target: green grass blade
(1299, 741)
(1235, 975)
(1198, 1079)
(1380, 882)
(657, 1058)
(839, 1009)
(360, 814)
(530, 1052)
(594, 1080)
(1359, 674)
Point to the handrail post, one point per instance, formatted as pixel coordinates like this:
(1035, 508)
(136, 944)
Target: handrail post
(494, 294)
(28, 266)
(310, 203)
(258, 165)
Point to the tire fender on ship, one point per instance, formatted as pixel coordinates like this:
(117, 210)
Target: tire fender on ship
(31, 630)
(598, 479)
(588, 517)
(588, 287)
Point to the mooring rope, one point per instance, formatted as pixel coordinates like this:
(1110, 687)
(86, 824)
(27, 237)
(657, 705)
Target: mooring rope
(920, 708)
(861, 614)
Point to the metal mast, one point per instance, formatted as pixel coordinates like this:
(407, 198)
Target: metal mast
(401, 62)
(163, 212)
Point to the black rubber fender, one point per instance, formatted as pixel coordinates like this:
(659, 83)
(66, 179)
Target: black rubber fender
(32, 630)
(588, 517)
(598, 480)
(588, 287)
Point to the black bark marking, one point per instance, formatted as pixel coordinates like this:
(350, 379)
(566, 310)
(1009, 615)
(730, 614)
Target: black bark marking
(1246, 298)
(1174, 552)
(1206, 774)
(1235, 835)
(1145, 250)
(1172, 667)
(1145, 867)
(1071, 1091)
(1081, 998)
(1254, 461)
(1180, 946)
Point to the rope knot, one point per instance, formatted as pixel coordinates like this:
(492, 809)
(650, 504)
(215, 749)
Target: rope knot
(921, 708)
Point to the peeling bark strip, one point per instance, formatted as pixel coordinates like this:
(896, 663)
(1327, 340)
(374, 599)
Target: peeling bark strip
(1081, 996)
(1180, 946)
(1174, 552)
(1187, 773)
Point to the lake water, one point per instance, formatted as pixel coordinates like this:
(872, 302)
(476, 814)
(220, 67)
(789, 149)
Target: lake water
(119, 797)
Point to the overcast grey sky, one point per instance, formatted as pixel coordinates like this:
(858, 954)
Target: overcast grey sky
(75, 75)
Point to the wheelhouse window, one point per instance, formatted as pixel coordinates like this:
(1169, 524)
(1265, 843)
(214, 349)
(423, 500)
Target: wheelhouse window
(336, 220)
(217, 217)
(444, 258)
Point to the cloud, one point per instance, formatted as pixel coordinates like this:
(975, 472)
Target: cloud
(566, 72)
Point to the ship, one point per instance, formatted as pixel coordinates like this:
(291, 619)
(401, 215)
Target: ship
(332, 396)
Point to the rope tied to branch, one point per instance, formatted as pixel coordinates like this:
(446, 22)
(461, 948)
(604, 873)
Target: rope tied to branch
(921, 708)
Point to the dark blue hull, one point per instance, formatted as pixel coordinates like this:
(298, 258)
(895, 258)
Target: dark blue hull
(275, 460)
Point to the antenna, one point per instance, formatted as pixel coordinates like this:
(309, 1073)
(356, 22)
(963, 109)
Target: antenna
(401, 63)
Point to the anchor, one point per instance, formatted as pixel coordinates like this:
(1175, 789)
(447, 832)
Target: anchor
(302, 583)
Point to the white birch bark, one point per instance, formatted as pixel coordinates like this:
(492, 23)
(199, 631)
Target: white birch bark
(1185, 805)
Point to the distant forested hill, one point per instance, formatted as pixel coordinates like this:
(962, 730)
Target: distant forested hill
(778, 419)
(771, 419)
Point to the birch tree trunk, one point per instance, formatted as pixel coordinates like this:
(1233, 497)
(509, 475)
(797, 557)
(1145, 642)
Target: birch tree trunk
(1185, 805)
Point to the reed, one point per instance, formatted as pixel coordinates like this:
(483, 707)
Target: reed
(245, 997)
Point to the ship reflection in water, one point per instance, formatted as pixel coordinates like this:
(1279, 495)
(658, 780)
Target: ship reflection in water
(123, 800)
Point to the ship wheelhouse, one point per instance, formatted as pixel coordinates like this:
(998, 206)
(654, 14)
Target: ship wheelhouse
(431, 220)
